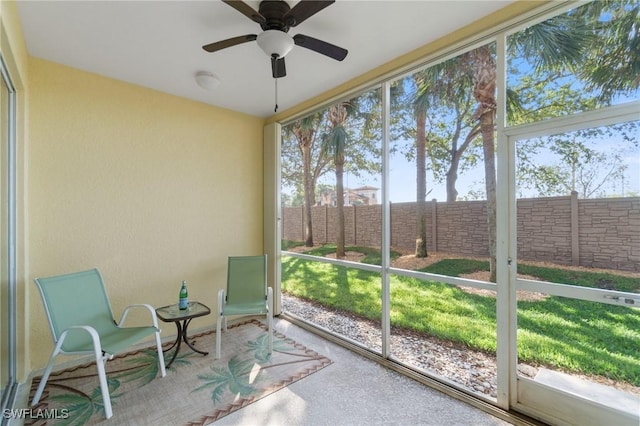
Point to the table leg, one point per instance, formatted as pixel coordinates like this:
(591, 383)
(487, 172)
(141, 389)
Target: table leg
(184, 336)
(177, 342)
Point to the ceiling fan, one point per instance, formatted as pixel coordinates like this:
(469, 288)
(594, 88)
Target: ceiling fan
(275, 17)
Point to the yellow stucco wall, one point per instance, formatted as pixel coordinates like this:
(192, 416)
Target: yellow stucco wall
(149, 188)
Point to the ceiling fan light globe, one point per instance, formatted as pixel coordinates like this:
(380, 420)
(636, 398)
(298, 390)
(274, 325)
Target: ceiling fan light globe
(275, 42)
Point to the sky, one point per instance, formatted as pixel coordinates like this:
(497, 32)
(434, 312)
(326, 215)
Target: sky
(402, 177)
(402, 181)
(568, 92)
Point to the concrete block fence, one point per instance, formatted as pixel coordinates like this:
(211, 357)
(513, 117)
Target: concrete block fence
(596, 233)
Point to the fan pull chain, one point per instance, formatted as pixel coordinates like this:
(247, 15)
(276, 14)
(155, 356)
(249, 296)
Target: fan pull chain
(276, 108)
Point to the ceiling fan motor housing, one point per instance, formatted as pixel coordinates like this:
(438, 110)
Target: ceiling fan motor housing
(274, 12)
(276, 17)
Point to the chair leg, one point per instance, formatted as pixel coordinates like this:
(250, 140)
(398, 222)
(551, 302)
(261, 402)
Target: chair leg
(219, 322)
(163, 371)
(218, 337)
(270, 317)
(104, 387)
(47, 372)
(100, 362)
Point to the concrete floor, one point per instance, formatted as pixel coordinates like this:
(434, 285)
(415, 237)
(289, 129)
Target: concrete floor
(354, 391)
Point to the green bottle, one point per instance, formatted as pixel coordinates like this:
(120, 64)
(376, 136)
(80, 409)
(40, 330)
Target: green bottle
(183, 302)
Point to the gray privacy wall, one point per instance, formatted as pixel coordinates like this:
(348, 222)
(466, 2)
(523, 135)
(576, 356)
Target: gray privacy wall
(597, 233)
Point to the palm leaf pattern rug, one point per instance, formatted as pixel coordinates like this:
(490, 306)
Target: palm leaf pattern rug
(196, 391)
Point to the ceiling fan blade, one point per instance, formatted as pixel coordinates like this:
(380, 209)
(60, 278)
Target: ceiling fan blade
(277, 67)
(327, 49)
(304, 10)
(223, 44)
(246, 10)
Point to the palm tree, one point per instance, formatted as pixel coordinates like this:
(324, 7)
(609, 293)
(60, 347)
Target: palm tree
(449, 85)
(333, 145)
(423, 81)
(483, 67)
(313, 136)
(556, 44)
(613, 66)
(441, 84)
(364, 112)
(305, 131)
(548, 45)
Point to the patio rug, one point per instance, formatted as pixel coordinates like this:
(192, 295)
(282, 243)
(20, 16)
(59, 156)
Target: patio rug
(197, 389)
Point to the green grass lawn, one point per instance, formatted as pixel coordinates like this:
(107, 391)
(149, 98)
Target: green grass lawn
(572, 335)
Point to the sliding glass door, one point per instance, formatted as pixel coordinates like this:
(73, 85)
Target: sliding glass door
(573, 139)
(578, 305)
(7, 239)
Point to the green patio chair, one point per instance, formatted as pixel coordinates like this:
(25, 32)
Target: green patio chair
(247, 294)
(82, 322)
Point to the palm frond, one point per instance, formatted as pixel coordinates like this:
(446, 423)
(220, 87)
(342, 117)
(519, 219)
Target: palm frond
(334, 143)
(555, 44)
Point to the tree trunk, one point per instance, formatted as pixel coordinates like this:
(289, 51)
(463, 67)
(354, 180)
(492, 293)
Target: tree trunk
(456, 156)
(421, 184)
(337, 117)
(309, 196)
(486, 123)
(452, 178)
(340, 210)
(484, 90)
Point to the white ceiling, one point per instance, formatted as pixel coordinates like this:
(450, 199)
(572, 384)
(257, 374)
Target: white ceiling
(158, 44)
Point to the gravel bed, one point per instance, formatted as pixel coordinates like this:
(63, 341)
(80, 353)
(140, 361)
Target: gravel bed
(475, 371)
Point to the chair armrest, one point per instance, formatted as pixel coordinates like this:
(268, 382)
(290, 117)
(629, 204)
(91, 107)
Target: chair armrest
(270, 300)
(92, 331)
(95, 338)
(148, 307)
(220, 301)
